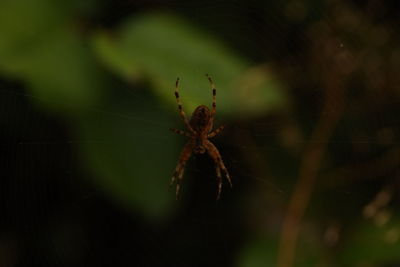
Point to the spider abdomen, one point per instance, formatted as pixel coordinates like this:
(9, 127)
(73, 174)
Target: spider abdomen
(200, 118)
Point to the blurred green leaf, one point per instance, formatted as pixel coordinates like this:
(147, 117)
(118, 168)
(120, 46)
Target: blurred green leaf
(163, 47)
(61, 70)
(39, 47)
(372, 244)
(131, 162)
(23, 22)
(133, 153)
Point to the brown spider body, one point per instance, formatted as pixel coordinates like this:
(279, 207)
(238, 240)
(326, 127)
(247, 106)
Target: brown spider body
(200, 130)
(200, 120)
(200, 123)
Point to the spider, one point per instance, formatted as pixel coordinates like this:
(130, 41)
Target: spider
(199, 130)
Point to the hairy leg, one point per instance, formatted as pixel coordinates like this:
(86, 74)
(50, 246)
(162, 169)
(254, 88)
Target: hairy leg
(219, 164)
(180, 167)
(214, 100)
(180, 108)
(177, 131)
(219, 178)
(216, 131)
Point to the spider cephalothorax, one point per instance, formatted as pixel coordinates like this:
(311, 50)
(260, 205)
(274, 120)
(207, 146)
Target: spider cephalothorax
(199, 131)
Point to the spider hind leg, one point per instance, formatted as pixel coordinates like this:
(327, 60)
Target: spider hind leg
(178, 177)
(219, 165)
(180, 167)
(219, 178)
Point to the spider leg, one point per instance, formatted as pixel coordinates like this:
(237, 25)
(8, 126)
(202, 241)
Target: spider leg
(180, 167)
(214, 102)
(214, 92)
(219, 164)
(178, 175)
(218, 171)
(216, 131)
(177, 131)
(181, 112)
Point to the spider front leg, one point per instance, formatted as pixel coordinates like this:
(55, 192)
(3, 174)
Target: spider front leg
(180, 167)
(214, 100)
(181, 112)
(214, 92)
(219, 164)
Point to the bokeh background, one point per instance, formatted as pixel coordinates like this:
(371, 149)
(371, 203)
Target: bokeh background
(309, 91)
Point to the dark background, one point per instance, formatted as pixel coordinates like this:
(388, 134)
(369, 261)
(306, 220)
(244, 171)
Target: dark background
(308, 91)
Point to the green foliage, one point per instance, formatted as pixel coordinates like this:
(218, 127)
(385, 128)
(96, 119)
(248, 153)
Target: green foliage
(162, 47)
(133, 154)
(84, 75)
(43, 50)
(371, 243)
(54, 61)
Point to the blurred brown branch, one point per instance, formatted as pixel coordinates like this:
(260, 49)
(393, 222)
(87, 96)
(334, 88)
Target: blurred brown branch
(307, 175)
(333, 80)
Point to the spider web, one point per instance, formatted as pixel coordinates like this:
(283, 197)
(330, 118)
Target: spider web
(46, 183)
(32, 191)
(51, 198)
